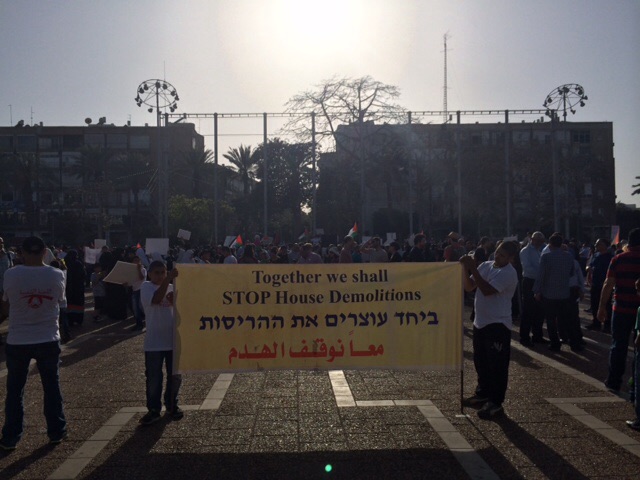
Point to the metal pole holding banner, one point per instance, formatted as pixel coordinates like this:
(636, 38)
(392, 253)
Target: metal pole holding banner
(215, 177)
(266, 164)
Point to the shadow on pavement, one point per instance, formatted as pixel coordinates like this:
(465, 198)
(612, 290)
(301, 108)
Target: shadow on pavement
(543, 457)
(16, 468)
(135, 461)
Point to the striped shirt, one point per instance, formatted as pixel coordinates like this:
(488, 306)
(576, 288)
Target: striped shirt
(556, 269)
(625, 270)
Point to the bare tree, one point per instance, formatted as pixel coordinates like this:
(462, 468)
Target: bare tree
(342, 101)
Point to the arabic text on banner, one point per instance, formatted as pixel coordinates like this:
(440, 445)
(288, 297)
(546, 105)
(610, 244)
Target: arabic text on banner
(251, 317)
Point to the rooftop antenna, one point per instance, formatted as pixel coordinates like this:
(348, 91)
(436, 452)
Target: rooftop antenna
(31, 116)
(10, 116)
(445, 108)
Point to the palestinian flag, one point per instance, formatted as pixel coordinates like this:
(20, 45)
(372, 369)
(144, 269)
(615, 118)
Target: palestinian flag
(354, 231)
(237, 242)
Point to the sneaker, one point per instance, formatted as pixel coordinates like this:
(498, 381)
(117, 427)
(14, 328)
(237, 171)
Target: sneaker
(150, 417)
(475, 401)
(540, 340)
(6, 445)
(490, 410)
(176, 414)
(58, 439)
(632, 424)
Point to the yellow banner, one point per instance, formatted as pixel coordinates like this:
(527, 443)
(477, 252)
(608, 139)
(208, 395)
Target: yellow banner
(252, 317)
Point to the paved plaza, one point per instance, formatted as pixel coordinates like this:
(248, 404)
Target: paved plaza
(560, 421)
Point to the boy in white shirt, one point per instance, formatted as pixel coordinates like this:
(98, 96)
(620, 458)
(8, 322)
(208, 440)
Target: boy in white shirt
(157, 301)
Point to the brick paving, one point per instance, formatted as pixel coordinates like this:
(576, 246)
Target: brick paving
(560, 423)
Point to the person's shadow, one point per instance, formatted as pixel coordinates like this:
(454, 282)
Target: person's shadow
(550, 463)
(23, 463)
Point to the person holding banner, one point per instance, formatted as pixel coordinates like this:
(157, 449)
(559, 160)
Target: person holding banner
(495, 283)
(157, 300)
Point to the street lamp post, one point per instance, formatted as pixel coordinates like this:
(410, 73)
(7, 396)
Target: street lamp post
(563, 98)
(159, 94)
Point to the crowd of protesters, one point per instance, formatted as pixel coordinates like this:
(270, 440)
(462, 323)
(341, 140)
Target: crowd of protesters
(532, 282)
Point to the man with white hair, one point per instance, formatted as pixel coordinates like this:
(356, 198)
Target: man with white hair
(533, 314)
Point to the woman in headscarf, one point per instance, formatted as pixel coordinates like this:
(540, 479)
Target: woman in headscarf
(75, 287)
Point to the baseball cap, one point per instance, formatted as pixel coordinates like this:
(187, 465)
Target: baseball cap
(33, 245)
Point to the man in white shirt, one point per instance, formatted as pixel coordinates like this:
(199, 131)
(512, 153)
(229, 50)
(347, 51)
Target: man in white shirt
(33, 295)
(495, 283)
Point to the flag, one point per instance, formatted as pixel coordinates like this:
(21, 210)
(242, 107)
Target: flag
(138, 245)
(305, 234)
(354, 231)
(615, 234)
(237, 242)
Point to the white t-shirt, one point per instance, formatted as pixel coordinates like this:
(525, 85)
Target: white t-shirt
(495, 308)
(35, 296)
(138, 283)
(230, 259)
(159, 318)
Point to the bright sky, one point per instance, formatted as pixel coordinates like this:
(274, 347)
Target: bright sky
(68, 60)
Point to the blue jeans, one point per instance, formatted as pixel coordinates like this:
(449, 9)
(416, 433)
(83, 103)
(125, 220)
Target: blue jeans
(153, 371)
(47, 356)
(621, 326)
(138, 312)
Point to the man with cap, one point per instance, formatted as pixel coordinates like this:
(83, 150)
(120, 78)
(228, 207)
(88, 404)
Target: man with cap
(533, 314)
(33, 295)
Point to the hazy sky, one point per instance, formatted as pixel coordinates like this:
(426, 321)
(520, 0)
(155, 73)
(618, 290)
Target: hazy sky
(68, 60)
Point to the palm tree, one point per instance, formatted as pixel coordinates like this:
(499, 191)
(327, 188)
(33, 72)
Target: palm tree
(245, 161)
(198, 167)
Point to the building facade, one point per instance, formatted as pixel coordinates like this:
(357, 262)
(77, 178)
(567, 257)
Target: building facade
(496, 179)
(76, 183)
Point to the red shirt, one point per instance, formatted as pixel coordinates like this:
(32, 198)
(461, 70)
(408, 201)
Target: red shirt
(625, 269)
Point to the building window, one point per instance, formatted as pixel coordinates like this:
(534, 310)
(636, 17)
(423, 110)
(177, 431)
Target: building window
(6, 143)
(71, 142)
(582, 136)
(117, 140)
(27, 143)
(49, 143)
(139, 142)
(588, 191)
(7, 197)
(94, 139)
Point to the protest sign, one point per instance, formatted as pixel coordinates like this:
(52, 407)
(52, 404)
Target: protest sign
(91, 255)
(184, 234)
(251, 317)
(123, 272)
(156, 245)
(98, 243)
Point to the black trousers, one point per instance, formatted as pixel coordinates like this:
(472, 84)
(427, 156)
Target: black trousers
(559, 316)
(532, 317)
(491, 355)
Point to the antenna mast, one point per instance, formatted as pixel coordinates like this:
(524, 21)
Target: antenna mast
(445, 108)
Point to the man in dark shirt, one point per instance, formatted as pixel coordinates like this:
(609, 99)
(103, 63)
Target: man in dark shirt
(420, 252)
(623, 272)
